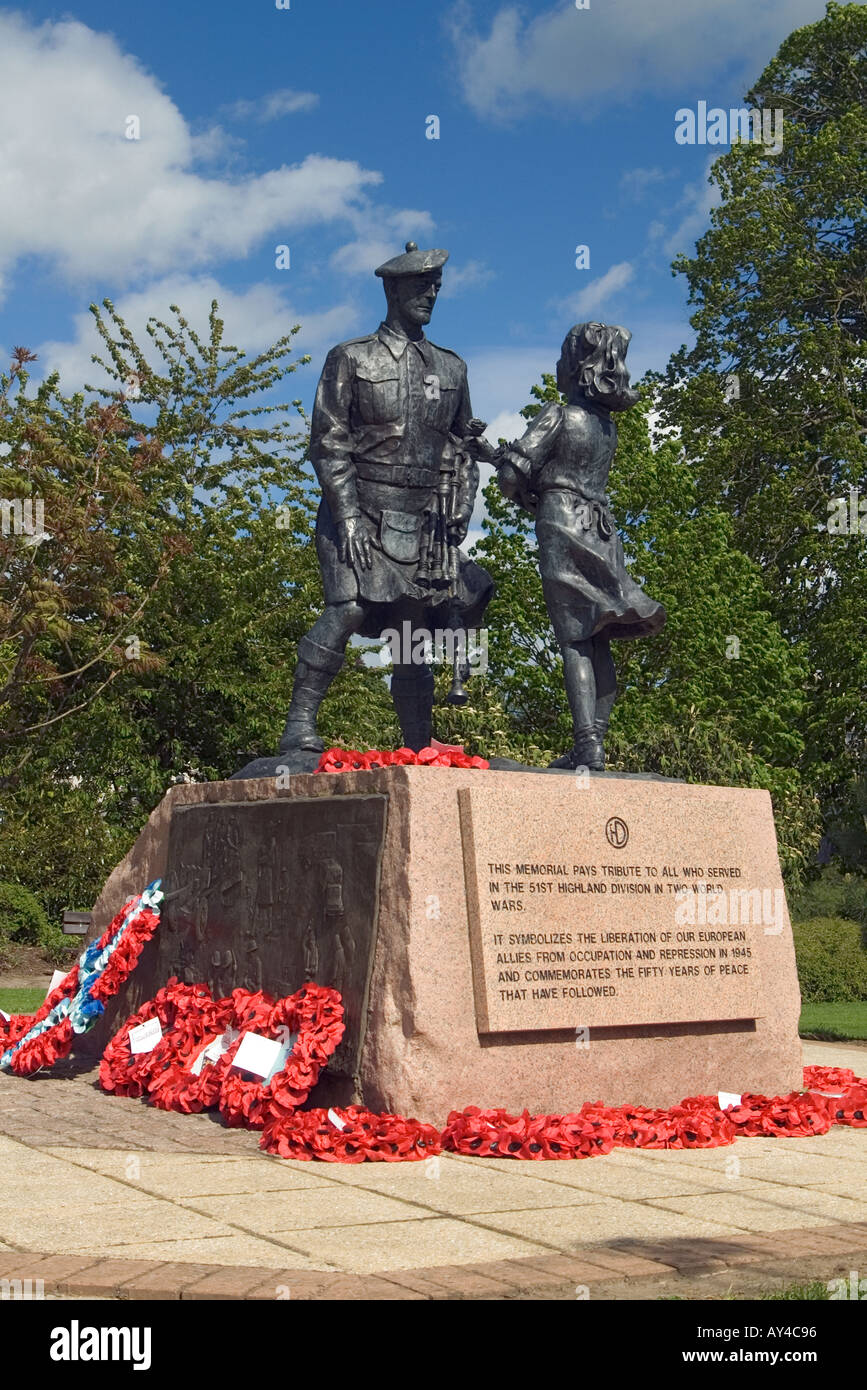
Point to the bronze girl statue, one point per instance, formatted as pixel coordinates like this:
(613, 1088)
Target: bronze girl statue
(559, 471)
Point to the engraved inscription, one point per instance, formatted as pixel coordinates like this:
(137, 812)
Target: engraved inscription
(645, 936)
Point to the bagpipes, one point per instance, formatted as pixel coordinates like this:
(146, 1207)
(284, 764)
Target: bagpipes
(439, 564)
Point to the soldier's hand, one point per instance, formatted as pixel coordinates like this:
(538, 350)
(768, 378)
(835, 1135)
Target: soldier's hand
(353, 543)
(458, 525)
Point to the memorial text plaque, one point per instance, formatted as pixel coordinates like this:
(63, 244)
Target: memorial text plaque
(608, 914)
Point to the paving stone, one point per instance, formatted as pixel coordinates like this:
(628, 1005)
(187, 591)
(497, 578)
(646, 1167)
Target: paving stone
(105, 1277)
(600, 1263)
(677, 1255)
(814, 1241)
(233, 1282)
(165, 1281)
(53, 1269)
(286, 1284)
(854, 1226)
(335, 1288)
(653, 1227)
(455, 1281)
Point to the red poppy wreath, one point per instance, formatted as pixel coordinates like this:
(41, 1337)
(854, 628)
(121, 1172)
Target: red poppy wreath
(189, 1018)
(39, 1040)
(198, 1058)
(351, 1135)
(851, 1108)
(310, 1026)
(350, 760)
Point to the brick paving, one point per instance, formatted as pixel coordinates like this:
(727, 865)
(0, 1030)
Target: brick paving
(559, 1277)
(107, 1198)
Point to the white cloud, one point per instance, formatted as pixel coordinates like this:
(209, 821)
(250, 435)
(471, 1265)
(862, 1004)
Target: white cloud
(380, 235)
(272, 106)
(500, 380)
(654, 339)
(458, 278)
(695, 203)
(506, 424)
(254, 319)
(383, 235)
(76, 193)
(362, 256)
(617, 51)
(599, 291)
(634, 183)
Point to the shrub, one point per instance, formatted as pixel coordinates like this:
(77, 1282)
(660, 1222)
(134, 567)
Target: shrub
(24, 923)
(22, 919)
(832, 894)
(832, 960)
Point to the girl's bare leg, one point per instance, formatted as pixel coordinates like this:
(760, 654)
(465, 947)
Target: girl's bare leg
(580, 680)
(606, 683)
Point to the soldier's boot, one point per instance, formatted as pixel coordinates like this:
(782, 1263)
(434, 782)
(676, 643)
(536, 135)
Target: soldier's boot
(317, 666)
(412, 691)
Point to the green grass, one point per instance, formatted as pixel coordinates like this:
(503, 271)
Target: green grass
(816, 1290)
(836, 1022)
(21, 1001)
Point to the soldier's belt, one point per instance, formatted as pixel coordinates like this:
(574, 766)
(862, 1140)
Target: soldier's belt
(396, 474)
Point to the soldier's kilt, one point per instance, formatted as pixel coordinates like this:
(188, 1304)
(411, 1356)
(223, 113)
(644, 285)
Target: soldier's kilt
(389, 587)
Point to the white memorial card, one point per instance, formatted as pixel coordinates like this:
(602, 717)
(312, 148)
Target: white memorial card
(257, 1054)
(263, 1056)
(145, 1037)
(727, 1099)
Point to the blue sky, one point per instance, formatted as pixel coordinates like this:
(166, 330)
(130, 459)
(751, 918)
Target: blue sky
(306, 127)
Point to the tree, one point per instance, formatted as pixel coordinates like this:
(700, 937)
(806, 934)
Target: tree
(780, 287)
(74, 484)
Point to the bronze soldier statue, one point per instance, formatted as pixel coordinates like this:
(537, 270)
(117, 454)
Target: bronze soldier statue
(395, 448)
(559, 471)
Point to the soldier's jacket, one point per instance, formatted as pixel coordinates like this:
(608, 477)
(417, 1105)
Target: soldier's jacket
(384, 408)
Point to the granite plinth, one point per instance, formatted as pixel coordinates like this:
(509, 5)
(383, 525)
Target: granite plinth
(434, 1028)
(294, 761)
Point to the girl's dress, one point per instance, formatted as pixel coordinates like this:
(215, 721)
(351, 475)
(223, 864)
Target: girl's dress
(561, 465)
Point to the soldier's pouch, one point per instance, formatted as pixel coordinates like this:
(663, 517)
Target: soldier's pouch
(399, 534)
(378, 388)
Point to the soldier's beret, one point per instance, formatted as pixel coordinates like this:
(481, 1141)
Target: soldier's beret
(412, 262)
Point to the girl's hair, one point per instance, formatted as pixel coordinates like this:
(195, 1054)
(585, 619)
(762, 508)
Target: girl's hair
(584, 358)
